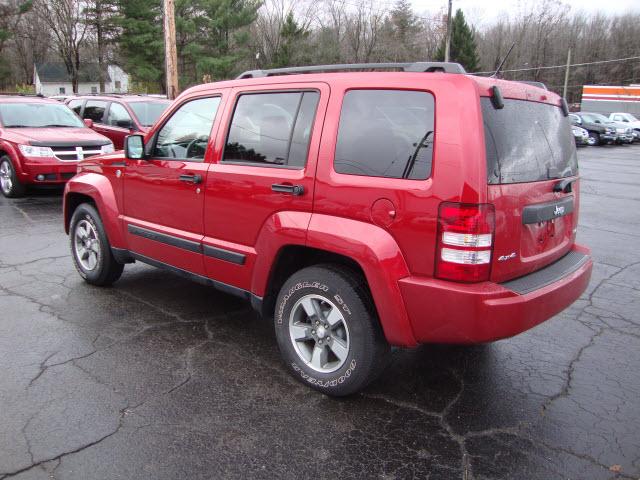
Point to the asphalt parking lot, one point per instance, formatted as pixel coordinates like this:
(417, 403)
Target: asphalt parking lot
(160, 378)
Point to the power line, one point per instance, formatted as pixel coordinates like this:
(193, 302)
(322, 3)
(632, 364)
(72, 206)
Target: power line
(563, 66)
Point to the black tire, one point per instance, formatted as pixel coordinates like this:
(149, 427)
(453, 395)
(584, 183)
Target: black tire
(16, 189)
(594, 139)
(106, 270)
(332, 286)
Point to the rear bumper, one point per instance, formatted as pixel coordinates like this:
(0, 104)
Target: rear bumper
(53, 172)
(447, 312)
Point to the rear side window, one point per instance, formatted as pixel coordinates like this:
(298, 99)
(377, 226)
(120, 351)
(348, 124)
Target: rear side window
(94, 110)
(527, 142)
(386, 133)
(75, 105)
(272, 129)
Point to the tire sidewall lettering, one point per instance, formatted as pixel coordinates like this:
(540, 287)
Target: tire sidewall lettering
(325, 383)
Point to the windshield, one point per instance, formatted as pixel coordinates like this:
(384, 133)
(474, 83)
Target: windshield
(595, 118)
(148, 112)
(37, 115)
(527, 142)
(630, 117)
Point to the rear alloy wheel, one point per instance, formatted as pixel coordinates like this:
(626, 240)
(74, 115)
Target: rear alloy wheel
(327, 330)
(9, 183)
(90, 248)
(594, 139)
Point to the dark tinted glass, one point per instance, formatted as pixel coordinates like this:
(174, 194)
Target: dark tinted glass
(94, 110)
(386, 133)
(527, 142)
(272, 128)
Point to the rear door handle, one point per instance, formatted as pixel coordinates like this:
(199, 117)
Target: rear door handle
(296, 190)
(195, 179)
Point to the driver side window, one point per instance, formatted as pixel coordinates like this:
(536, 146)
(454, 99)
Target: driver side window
(186, 134)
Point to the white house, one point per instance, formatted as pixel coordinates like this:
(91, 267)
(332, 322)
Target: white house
(53, 79)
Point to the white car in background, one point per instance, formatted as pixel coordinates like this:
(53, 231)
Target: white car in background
(629, 120)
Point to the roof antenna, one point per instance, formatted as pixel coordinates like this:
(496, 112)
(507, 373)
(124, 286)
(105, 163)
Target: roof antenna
(495, 74)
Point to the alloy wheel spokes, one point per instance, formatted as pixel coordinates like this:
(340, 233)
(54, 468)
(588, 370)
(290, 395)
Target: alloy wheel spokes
(87, 245)
(319, 333)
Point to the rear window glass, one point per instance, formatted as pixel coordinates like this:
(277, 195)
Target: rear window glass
(95, 111)
(527, 142)
(386, 133)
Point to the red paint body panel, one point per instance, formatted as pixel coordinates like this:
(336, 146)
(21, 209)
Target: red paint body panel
(237, 211)
(378, 254)
(97, 187)
(447, 312)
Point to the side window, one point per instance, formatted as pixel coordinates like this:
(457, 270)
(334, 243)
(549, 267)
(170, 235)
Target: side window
(118, 116)
(386, 133)
(272, 128)
(75, 105)
(94, 110)
(186, 134)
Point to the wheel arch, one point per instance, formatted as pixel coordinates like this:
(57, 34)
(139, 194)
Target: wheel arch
(97, 190)
(367, 250)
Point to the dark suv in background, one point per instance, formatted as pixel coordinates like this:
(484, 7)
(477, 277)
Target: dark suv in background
(600, 132)
(117, 116)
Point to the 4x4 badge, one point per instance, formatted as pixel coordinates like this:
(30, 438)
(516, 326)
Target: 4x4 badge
(507, 257)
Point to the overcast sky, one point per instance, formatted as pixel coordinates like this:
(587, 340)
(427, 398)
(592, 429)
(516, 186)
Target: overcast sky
(479, 11)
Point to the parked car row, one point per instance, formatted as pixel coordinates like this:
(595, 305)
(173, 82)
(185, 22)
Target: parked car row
(596, 129)
(42, 140)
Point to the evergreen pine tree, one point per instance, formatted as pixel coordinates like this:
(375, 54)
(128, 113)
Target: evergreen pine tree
(463, 47)
(141, 41)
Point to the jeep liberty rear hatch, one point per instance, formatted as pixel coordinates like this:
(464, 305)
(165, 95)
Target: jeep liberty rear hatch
(530, 155)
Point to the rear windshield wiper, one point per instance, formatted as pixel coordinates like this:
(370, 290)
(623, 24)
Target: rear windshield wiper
(412, 161)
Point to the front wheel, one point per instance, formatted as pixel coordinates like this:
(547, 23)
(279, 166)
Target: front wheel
(9, 183)
(594, 139)
(327, 330)
(90, 248)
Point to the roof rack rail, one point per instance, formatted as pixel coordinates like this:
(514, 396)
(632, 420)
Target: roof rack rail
(445, 67)
(19, 94)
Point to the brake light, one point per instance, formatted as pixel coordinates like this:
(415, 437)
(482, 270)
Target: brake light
(465, 241)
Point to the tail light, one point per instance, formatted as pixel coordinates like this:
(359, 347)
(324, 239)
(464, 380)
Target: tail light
(465, 241)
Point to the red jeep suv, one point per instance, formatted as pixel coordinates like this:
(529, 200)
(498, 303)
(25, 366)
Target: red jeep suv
(41, 142)
(116, 116)
(358, 210)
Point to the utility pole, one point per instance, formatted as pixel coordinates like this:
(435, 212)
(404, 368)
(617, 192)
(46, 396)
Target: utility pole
(566, 74)
(170, 55)
(447, 44)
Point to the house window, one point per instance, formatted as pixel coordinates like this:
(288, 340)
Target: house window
(62, 90)
(94, 89)
(118, 85)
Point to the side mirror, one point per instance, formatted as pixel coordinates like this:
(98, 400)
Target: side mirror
(134, 147)
(598, 121)
(625, 120)
(88, 122)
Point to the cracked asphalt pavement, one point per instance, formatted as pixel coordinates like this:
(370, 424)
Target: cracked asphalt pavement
(160, 378)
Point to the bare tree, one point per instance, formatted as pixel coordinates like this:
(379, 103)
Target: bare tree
(66, 19)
